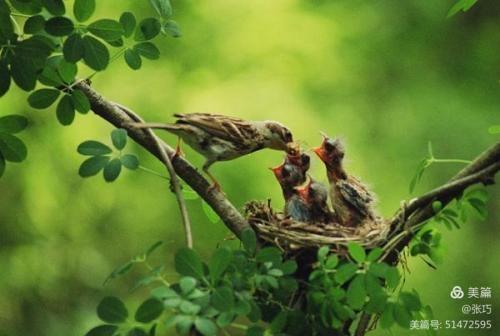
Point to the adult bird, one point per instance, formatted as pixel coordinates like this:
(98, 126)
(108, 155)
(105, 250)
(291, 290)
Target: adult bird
(351, 199)
(223, 138)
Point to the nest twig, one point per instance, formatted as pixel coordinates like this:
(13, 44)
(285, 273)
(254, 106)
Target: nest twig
(290, 235)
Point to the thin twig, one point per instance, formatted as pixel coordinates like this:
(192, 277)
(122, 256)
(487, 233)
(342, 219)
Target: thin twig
(171, 171)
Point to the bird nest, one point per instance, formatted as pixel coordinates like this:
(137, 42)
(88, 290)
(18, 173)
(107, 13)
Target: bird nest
(290, 235)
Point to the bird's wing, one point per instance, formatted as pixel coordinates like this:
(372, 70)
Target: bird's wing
(356, 196)
(235, 130)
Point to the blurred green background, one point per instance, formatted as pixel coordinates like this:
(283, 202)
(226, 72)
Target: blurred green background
(387, 76)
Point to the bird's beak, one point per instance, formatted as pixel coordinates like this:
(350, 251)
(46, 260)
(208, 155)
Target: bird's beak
(303, 190)
(278, 170)
(292, 148)
(320, 152)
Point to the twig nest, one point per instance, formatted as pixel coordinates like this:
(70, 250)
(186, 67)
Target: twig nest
(290, 235)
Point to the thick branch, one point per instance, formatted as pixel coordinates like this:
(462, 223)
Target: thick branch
(217, 200)
(481, 170)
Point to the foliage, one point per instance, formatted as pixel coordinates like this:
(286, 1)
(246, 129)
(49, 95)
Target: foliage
(49, 49)
(12, 148)
(461, 5)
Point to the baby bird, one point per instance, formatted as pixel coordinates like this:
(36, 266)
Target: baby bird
(351, 200)
(222, 138)
(289, 176)
(315, 195)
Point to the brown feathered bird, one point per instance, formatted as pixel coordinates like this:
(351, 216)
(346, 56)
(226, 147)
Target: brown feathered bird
(222, 138)
(351, 200)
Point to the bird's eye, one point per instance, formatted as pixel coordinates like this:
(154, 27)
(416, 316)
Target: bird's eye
(285, 172)
(287, 136)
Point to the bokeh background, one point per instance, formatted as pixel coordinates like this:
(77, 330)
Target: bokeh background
(387, 76)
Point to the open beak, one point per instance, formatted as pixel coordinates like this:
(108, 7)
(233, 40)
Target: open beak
(303, 190)
(278, 170)
(320, 152)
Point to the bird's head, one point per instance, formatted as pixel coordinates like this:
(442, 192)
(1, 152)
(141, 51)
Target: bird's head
(331, 152)
(287, 175)
(302, 160)
(279, 137)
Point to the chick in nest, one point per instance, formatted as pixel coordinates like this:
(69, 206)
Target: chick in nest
(315, 195)
(351, 199)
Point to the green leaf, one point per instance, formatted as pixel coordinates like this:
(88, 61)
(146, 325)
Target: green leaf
(162, 7)
(112, 310)
(112, 170)
(148, 29)
(103, 330)
(23, 73)
(290, 266)
(461, 5)
(128, 22)
(67, 71)
(34, 24)
(133, 59)
(209, 212)
(107, 29)
(323, 252)
(13, 123)
(80, 101)
(43, 98)
(255, 331)
(73, 48)
(411, 301)
(437, 206)
(187, 284)
(95, 54)
(377, 303)
(59, 26)
(172, 28)
(27, 7)
(269, 254)
(119, 138)
(249, 240)
(147, 50)
(2, 165)
(356, 292)
(279, 322)
(205, 326)
(392, 277)
(137, 332)
(149, 310)
(225, 319)
(130, 161)
(55, 7)
(387, 319)
(12, 148)
(93, 165)
(374, 254)
(83, 9)
(65, 110)
(187, 262)
(357, 252)
(220, 261)
(92, 147)
(4, 77)
(345, 272)
(402, 316)
(495, 129)
(187, 307)
(223, 299)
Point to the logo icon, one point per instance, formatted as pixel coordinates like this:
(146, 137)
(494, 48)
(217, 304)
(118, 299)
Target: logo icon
(457, 293)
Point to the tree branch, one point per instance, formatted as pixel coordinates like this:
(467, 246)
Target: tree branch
(109, 111)
(481, 170)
